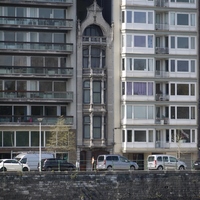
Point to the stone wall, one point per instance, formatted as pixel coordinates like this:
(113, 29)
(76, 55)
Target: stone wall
(137, 185)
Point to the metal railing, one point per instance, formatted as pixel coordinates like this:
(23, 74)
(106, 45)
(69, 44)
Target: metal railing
(12, 45)
(39, 70)
(64, 23)
(47, 95)
(32, 119)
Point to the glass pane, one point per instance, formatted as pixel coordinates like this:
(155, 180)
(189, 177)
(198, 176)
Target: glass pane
(22, 138)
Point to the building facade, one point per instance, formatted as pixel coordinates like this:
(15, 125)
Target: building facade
(37, 72)
(94, 87)
(158, 42)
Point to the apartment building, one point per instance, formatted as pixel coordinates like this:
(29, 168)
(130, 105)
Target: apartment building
(156, 52)
(37, 71)
(94, 87)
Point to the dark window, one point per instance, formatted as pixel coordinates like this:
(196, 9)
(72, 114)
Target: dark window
(93, 30)
(159, 158)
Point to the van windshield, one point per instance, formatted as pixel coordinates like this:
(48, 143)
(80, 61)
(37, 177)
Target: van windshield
(151, 158)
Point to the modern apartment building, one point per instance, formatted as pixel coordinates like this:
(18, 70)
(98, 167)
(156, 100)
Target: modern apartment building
(37, 71)
(94, 87)
(156, 52)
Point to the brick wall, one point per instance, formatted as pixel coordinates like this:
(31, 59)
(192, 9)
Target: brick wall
(137, 185)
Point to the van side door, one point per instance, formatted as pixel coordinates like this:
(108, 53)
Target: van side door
(166, 162)
(173, 162)
(124, 163)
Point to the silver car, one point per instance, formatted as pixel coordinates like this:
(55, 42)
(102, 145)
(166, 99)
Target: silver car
(115, 162)
(164, 162)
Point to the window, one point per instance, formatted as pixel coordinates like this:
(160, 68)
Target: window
(129, 41)
(139, 17)
(150, 132)
(22, 138)
(182, 19)
(139, 64)
(86, 92)
(96, 127)
(182, 66)
(182, 42)
(183, 112)
(140, 136)
(86, 127)
(129, 135)
(96, 92)
(129, 16)
(8, 138)
(139, 41)
(182, 89)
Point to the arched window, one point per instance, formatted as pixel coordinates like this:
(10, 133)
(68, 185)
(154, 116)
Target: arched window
(93, 30)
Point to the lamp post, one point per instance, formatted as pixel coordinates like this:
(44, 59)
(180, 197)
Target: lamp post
(40, 151)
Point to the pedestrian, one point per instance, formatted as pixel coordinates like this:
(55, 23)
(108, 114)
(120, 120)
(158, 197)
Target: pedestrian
(93, 163)
(77, 165)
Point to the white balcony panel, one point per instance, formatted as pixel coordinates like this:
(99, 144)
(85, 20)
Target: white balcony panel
(183, 122)
(137, 74)
(138, 50)
(183, 51)
(183, 98)
(137, 2)
(182, 28)
(138, 122)
(182, 75)
(138, 26)
(182, 5)
(137, 98)
(141, 145)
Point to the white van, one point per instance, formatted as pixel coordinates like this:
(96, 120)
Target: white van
(166, 162)
(32, 159)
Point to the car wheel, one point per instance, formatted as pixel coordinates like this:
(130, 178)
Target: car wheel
(49, 169)
(3, 169)
(25, 169)
(132, 168)
(109, 168)
(160, 168)
(181, 168)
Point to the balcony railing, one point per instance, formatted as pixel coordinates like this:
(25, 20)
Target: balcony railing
(162, 3)
(37, 71)
(64, 23)
(36, 1)
(41, 95)
(162, 145)
(101, 40)
(162, 27)
(161, 74)
(162, 97)
(94, 71)
(162, 120)
(30, 46)
(162, 50)
(32, 120)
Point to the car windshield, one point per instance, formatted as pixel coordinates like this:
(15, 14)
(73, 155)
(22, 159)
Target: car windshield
(17, 158)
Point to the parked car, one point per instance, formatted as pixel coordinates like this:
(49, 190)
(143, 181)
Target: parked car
(196, 165)
(32, 159)
(54, 164)
(115, 162)
(12, 165)
(161, 162)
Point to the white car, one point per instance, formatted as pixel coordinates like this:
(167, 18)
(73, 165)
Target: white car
(12, 165)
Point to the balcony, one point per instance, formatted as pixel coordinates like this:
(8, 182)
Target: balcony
(162, 97)
(162, 3)
(65, 3)
(94, 72)
(161, 74)
(162, 27)
(35, 46)
(27, 96)
(66, 24)
(32, 120)
(162, 120)
(13, 71)
(162, 50)
(94, 40)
